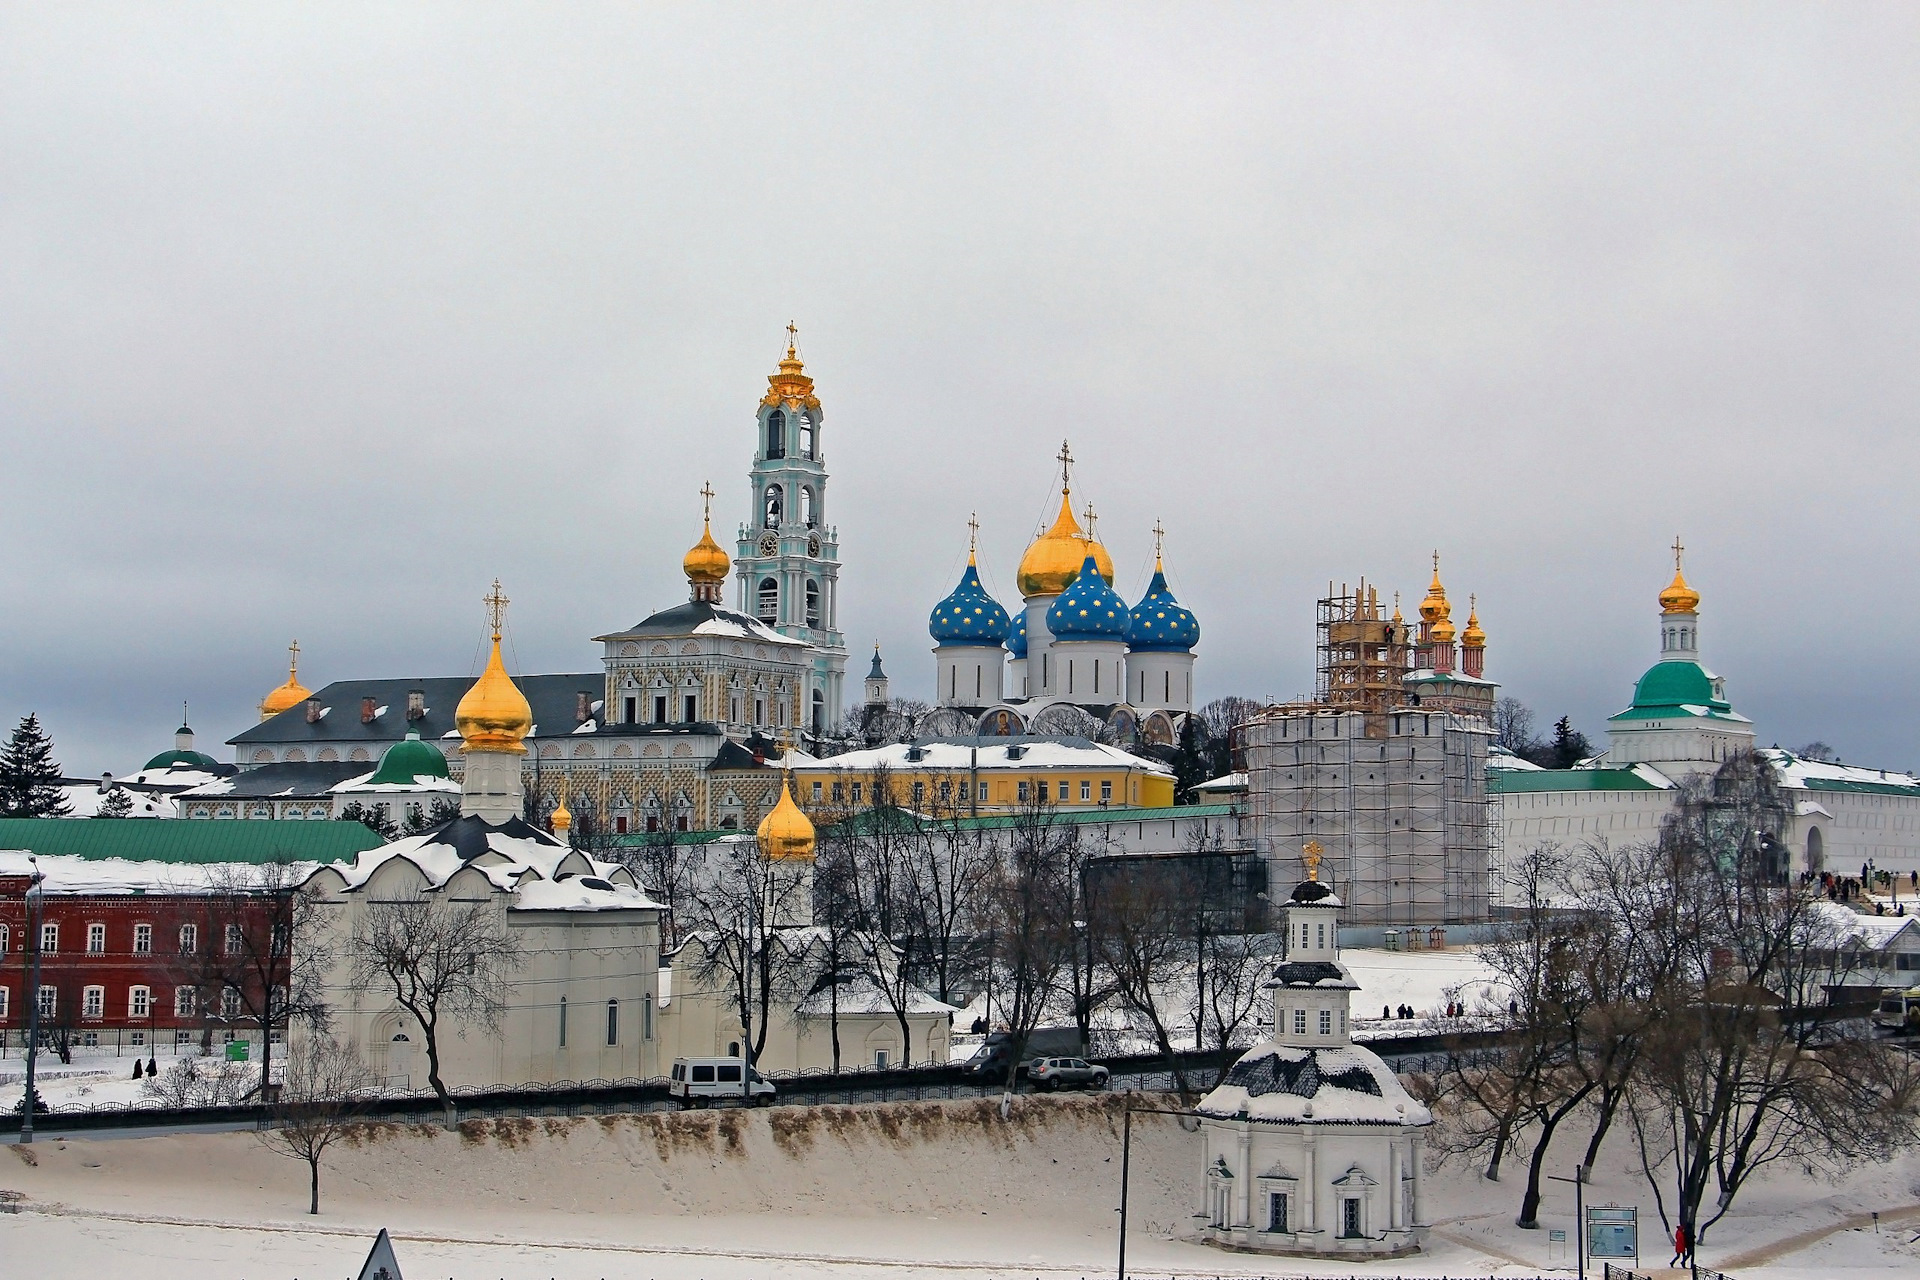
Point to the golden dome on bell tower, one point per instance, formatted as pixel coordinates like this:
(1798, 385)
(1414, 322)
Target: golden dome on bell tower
(494, 715)
(1679, 597)
(1473, 637)
(789, 384)
(289, 695)
(1435, 606)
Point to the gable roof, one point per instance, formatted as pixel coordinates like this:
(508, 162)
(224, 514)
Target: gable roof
(699, 618)
(555, 700)
(186, 841)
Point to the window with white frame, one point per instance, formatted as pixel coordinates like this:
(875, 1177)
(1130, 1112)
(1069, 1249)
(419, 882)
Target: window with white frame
(93, 1002)
(96, 938)
(49, 939)
(142, 939)
(189, 939)
(49, 1002)
(233, 940)
(6, 938)
(1299, 1022)
(5, 1002)
(1326, 1022)
(138, 1039)
(182, 1038)
(230, 1002)
(139, 1002)
(185, 1001)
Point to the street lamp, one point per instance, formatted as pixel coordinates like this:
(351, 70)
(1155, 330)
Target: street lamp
(1126, 1161)
(35, 910)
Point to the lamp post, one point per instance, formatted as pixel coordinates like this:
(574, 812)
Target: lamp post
(1579, 1181)
(1126, 1162)
(35, 911)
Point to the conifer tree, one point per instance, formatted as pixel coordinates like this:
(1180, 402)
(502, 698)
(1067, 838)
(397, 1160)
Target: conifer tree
(29, 776)
(117, 803)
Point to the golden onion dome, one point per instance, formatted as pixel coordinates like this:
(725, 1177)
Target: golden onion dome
(289, 695)
(786, 834)
(1435, 606)
(1473, 637)
(1053, 561)
(494, 715)
(1443, 631)
(706, 562)
(1679, 597)
(562, 820)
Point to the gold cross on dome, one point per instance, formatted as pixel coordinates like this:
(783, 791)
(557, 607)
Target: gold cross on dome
(1677, 550)
(973, 531)
(706, 505)
(1090, 519)
(1436, 564)
(293, 656)
(1065, 458)
(1159, 535)
(793, 337)
(1310, 854)
(496, 603)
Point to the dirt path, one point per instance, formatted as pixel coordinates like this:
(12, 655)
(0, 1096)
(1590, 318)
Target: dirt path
(1794, 1243)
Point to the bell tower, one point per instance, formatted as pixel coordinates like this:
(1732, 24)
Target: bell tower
(788, 566)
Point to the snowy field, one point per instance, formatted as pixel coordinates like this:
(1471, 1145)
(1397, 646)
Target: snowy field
(905, 1190)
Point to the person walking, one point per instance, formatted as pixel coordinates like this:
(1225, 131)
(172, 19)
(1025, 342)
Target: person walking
(1680, 1242)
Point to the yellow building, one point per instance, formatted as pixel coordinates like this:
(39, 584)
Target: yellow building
(991, 775)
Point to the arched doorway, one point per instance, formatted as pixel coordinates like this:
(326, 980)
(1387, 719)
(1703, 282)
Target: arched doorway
(1816, 851)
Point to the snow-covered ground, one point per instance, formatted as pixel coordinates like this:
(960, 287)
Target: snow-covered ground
(906, 1190)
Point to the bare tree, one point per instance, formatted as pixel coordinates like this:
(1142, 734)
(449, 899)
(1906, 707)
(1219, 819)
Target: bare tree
(1738, 1072)
(738, 909)
(1143, 944)
(1513, 726)
(441, 960)
(1030, 921)
(261, 954)
(326, 1083)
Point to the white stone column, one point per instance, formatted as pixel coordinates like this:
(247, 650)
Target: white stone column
(1419, 1182)
(1393, 1186)
(1243, 1210)
(1310, 1186)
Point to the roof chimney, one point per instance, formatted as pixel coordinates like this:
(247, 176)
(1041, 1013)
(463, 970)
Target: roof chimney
(368, 710)
(583, 707)
(313, 711)
(416, 704)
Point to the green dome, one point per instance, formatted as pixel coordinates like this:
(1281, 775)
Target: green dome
(184, 759)
(1677, 684)
(407, 760)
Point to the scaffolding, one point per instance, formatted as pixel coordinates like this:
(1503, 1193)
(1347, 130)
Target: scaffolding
(1363, 659)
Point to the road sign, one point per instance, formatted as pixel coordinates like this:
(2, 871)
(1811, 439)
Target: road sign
(1613, 1233)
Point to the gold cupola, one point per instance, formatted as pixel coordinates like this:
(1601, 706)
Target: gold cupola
(494, 714)
(1053, 561)
(561, 820)
(1435, 606)
(786, 834)
(706, 565)
(789, 385)
(1473, 637)
(1679, 597)
(289, 695)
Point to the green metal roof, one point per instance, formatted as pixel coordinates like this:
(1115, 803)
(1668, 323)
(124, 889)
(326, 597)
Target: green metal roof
(1671, 689)
(1859, 788)
(407, 760)
(191, 759)
(1512, 781)
(188, 841)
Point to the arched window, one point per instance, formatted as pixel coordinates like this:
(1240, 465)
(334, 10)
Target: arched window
(1686, 637)
(769, 600)
(806, 435)
(776, 434)
(806, 505)
(819, 714)
(813, 603)
(775, 506)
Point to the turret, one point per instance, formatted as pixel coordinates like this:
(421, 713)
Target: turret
(969, 630)
(493, 719)
(1161, 633)
(1311, 988)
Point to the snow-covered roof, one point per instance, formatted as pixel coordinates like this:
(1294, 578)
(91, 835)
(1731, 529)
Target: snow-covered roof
(84, 798)
(540, 872)
(1341, 1085)
(957, 755)
(1225, 783)
(862, 996)
(1831, 775)
(421, 782)
(66, 874)
(1843, 924)
(1498, 757)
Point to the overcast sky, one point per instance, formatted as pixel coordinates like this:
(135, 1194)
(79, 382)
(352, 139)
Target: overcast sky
(314, 319)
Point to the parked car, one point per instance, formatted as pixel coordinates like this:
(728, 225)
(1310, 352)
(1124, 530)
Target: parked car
(697, 1081)
(1066, 1073)
(1899, 1010)
(991, 1061)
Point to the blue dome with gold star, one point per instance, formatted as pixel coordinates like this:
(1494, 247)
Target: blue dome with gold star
(1017, 635)
(1088, 609)
(1159, 622)
(968, 616)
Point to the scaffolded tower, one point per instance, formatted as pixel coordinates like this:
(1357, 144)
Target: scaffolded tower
(1394, 793)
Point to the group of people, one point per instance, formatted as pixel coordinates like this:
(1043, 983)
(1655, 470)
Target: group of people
(1404, 1012)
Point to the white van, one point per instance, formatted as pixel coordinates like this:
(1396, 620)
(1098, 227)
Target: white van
(1899, 1010)
(697, 1080)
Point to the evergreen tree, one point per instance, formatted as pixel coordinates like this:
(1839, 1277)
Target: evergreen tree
(1192, 763)
(118, 803)
(373, 817)
(29, 776)
(1569, 746)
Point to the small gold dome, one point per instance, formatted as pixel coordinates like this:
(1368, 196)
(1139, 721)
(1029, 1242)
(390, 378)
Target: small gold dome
(1473, 637)
(1443, 631)
(1679, 597)
(1053, 561)
(494, 715)
(562, 820)
(1435, 606)
(706, 562)
(289, 695)
(786, 834)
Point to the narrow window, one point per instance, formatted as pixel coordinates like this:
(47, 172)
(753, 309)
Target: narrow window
(1043, 793)
(139, 1001)
(185, 1001)
(690, 707)
(1350, 1218)
(1022, 792)
(813, 603)
(233, 939)
(613, 1022)
(816, 793)
(189, 939)
(806, 506)
(769, 600)
(49, 1002)
(563, 1022)
(96, 939)
(856, 793)
(1326, 1022)
(646, 1016)
(1086, 790)
(4, 1010)
(49, 939)
(919, 794)
(230, 1002)
(774, 507)
(1299, 1022)
(1277, 1211)
(806, 436)
(1106, 791)
(93, 1002)
(659, 708)
(776, 434)
(632, 712)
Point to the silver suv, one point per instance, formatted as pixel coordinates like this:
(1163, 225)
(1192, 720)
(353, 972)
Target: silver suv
(1066, 1073)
